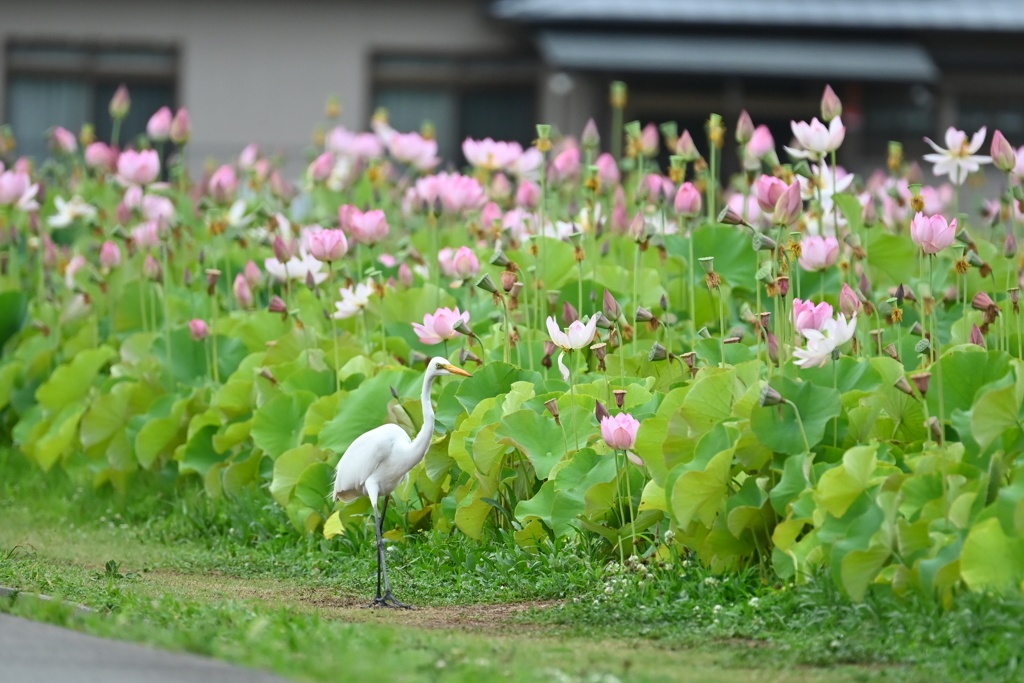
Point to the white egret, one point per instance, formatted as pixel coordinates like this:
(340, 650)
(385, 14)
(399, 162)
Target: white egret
(377, 462)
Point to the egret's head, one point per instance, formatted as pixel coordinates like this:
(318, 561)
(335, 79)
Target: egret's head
(441, 366)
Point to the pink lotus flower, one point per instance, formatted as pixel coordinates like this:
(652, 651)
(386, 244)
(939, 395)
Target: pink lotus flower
(527, 195)
(649, 140)
(110, 255)
(491, 155)
(608, 170)
(138, 168)
(321, 167)
(1003, 156)
(465, 263)
(198, 329)
(688, 200)
(807, 316)
(405, 274)
(458, 192)
(501, 187)
(818, 253)
(387, 260)
(932, 234)
(253, 275)
(151, 269)
(959, 158)
(761, 143)
(13, 186)
(654, 188)
(159, 126)
(146, 235)
(788, 206)
(769, 189)
(243, 294)
(64, 140)
(490, 213)
(181, 127)
(100, 156)
(157, 208)
(368, 227)
(815, 139)
(249, 156)
(413, 149)
(223, 185)
(527, 166)
(445, 258)
(440, 326)
(354, 145)
(566, 165)
(831, 106)
(328, 245)
(619, 432)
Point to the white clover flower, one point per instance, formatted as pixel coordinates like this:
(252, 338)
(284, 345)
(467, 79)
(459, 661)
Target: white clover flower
(753, 602)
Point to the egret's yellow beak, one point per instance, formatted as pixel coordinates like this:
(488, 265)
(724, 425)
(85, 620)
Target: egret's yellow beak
(457, 371)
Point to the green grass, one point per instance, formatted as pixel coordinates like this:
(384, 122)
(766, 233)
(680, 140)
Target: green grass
(230, 579)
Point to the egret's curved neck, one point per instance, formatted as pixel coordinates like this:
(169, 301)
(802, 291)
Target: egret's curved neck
(422, 441)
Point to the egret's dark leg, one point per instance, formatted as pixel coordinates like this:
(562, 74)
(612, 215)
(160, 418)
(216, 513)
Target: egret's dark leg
(377, 525)
(389, 599)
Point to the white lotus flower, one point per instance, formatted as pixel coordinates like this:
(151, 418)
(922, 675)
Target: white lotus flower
(576, 335)
(820, 345)
(353, 300)
(297, 268)
(959, 158)
(70, 211)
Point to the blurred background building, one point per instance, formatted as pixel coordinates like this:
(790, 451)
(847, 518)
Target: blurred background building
(261, 70)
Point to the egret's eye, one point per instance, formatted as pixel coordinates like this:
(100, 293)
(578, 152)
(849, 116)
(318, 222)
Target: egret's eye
(440, 366)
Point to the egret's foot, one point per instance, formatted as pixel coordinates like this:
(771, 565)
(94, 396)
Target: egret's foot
(389, 601)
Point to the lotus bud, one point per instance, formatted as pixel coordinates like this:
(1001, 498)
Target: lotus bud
(773, 347)
(770, 397)
(310, 280)
(638, 228)
(277, 305)
(744, 128)
(120, 103)
(242, 292)
(487, 284)
(198, 329)
(903, 385)
(600, 412)
(831, 106)
(552, 407)
(604, 323)
(508, 280)
(181, 127)
(658, 353)
(611, 307)
(590, 138)
(686, 149)
(569, 314)
(849, 304)
(870, 214)
(465, 355)
(1010, 246)
(283, 251)
(187, 276)
(1003, 156)
(151, 269)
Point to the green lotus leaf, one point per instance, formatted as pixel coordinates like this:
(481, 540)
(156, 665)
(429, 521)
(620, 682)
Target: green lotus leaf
(277, 424)
(777, 426)
(289, 467)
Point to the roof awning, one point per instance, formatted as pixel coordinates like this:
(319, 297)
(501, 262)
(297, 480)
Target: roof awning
(707, 55)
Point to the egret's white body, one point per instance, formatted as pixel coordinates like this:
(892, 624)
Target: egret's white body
(377, 462)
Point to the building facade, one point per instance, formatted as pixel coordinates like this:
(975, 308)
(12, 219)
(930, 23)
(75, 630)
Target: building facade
(261, 70)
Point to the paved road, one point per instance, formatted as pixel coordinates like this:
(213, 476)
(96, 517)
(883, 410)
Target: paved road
(31, 652)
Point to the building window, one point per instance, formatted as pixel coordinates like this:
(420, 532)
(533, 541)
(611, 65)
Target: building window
(459, 96)
(49, 84)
